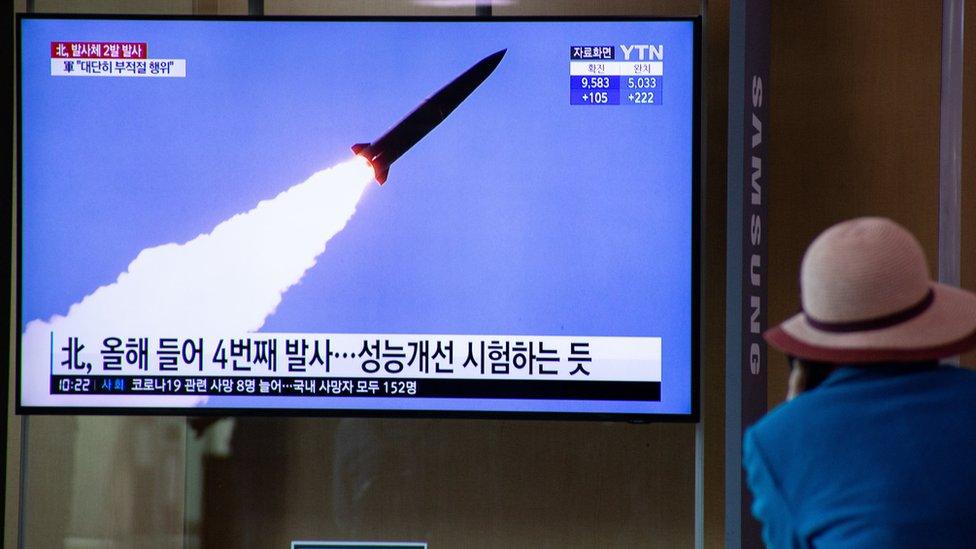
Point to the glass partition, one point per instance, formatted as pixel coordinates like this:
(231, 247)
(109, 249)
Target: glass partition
(450, 483)
(161, 482)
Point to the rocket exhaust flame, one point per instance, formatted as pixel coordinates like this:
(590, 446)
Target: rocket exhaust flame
(229, 280)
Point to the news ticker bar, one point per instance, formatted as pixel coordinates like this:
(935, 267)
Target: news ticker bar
(357, 387)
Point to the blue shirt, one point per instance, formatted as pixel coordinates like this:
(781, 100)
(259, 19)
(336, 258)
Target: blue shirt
(879, 456)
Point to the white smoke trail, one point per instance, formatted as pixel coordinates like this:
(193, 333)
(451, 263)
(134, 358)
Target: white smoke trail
(227, 281)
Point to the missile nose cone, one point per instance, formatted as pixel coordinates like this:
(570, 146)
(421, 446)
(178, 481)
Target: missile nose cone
(480, 70)
(495, 58)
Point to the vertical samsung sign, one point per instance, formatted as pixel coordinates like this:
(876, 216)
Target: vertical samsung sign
(746, 254)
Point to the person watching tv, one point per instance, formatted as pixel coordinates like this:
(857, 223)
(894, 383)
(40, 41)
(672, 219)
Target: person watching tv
(876, 444)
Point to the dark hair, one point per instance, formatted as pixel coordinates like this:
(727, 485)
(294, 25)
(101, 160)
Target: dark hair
(817, 371)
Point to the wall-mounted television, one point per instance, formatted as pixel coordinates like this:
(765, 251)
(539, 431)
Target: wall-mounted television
(486, 217)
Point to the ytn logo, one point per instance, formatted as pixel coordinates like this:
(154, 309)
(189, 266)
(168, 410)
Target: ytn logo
(644, 52)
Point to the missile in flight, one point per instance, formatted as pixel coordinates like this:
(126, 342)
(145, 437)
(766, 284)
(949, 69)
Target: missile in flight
(406, 133)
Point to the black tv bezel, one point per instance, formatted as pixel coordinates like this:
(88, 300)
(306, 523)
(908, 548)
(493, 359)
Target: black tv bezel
(696, 261)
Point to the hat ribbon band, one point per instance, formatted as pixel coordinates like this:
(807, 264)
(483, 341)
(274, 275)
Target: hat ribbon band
(874, 323)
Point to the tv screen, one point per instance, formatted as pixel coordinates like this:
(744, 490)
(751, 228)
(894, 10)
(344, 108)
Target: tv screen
(449, 217)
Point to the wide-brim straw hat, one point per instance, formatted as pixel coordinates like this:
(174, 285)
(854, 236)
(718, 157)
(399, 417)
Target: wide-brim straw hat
(867, 297)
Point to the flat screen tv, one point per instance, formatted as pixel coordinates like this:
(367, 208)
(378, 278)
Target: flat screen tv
(383, 216)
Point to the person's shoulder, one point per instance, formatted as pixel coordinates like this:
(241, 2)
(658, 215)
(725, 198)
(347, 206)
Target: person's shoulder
(783, 425)
(822, 406)
(773, 444)
(965, 373)
(957, 378)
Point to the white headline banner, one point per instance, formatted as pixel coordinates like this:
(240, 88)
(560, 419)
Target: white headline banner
(431, 356)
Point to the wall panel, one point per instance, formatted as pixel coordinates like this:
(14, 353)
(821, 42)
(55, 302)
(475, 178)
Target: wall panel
(169, 7)
(854, 131)
(968, 244)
